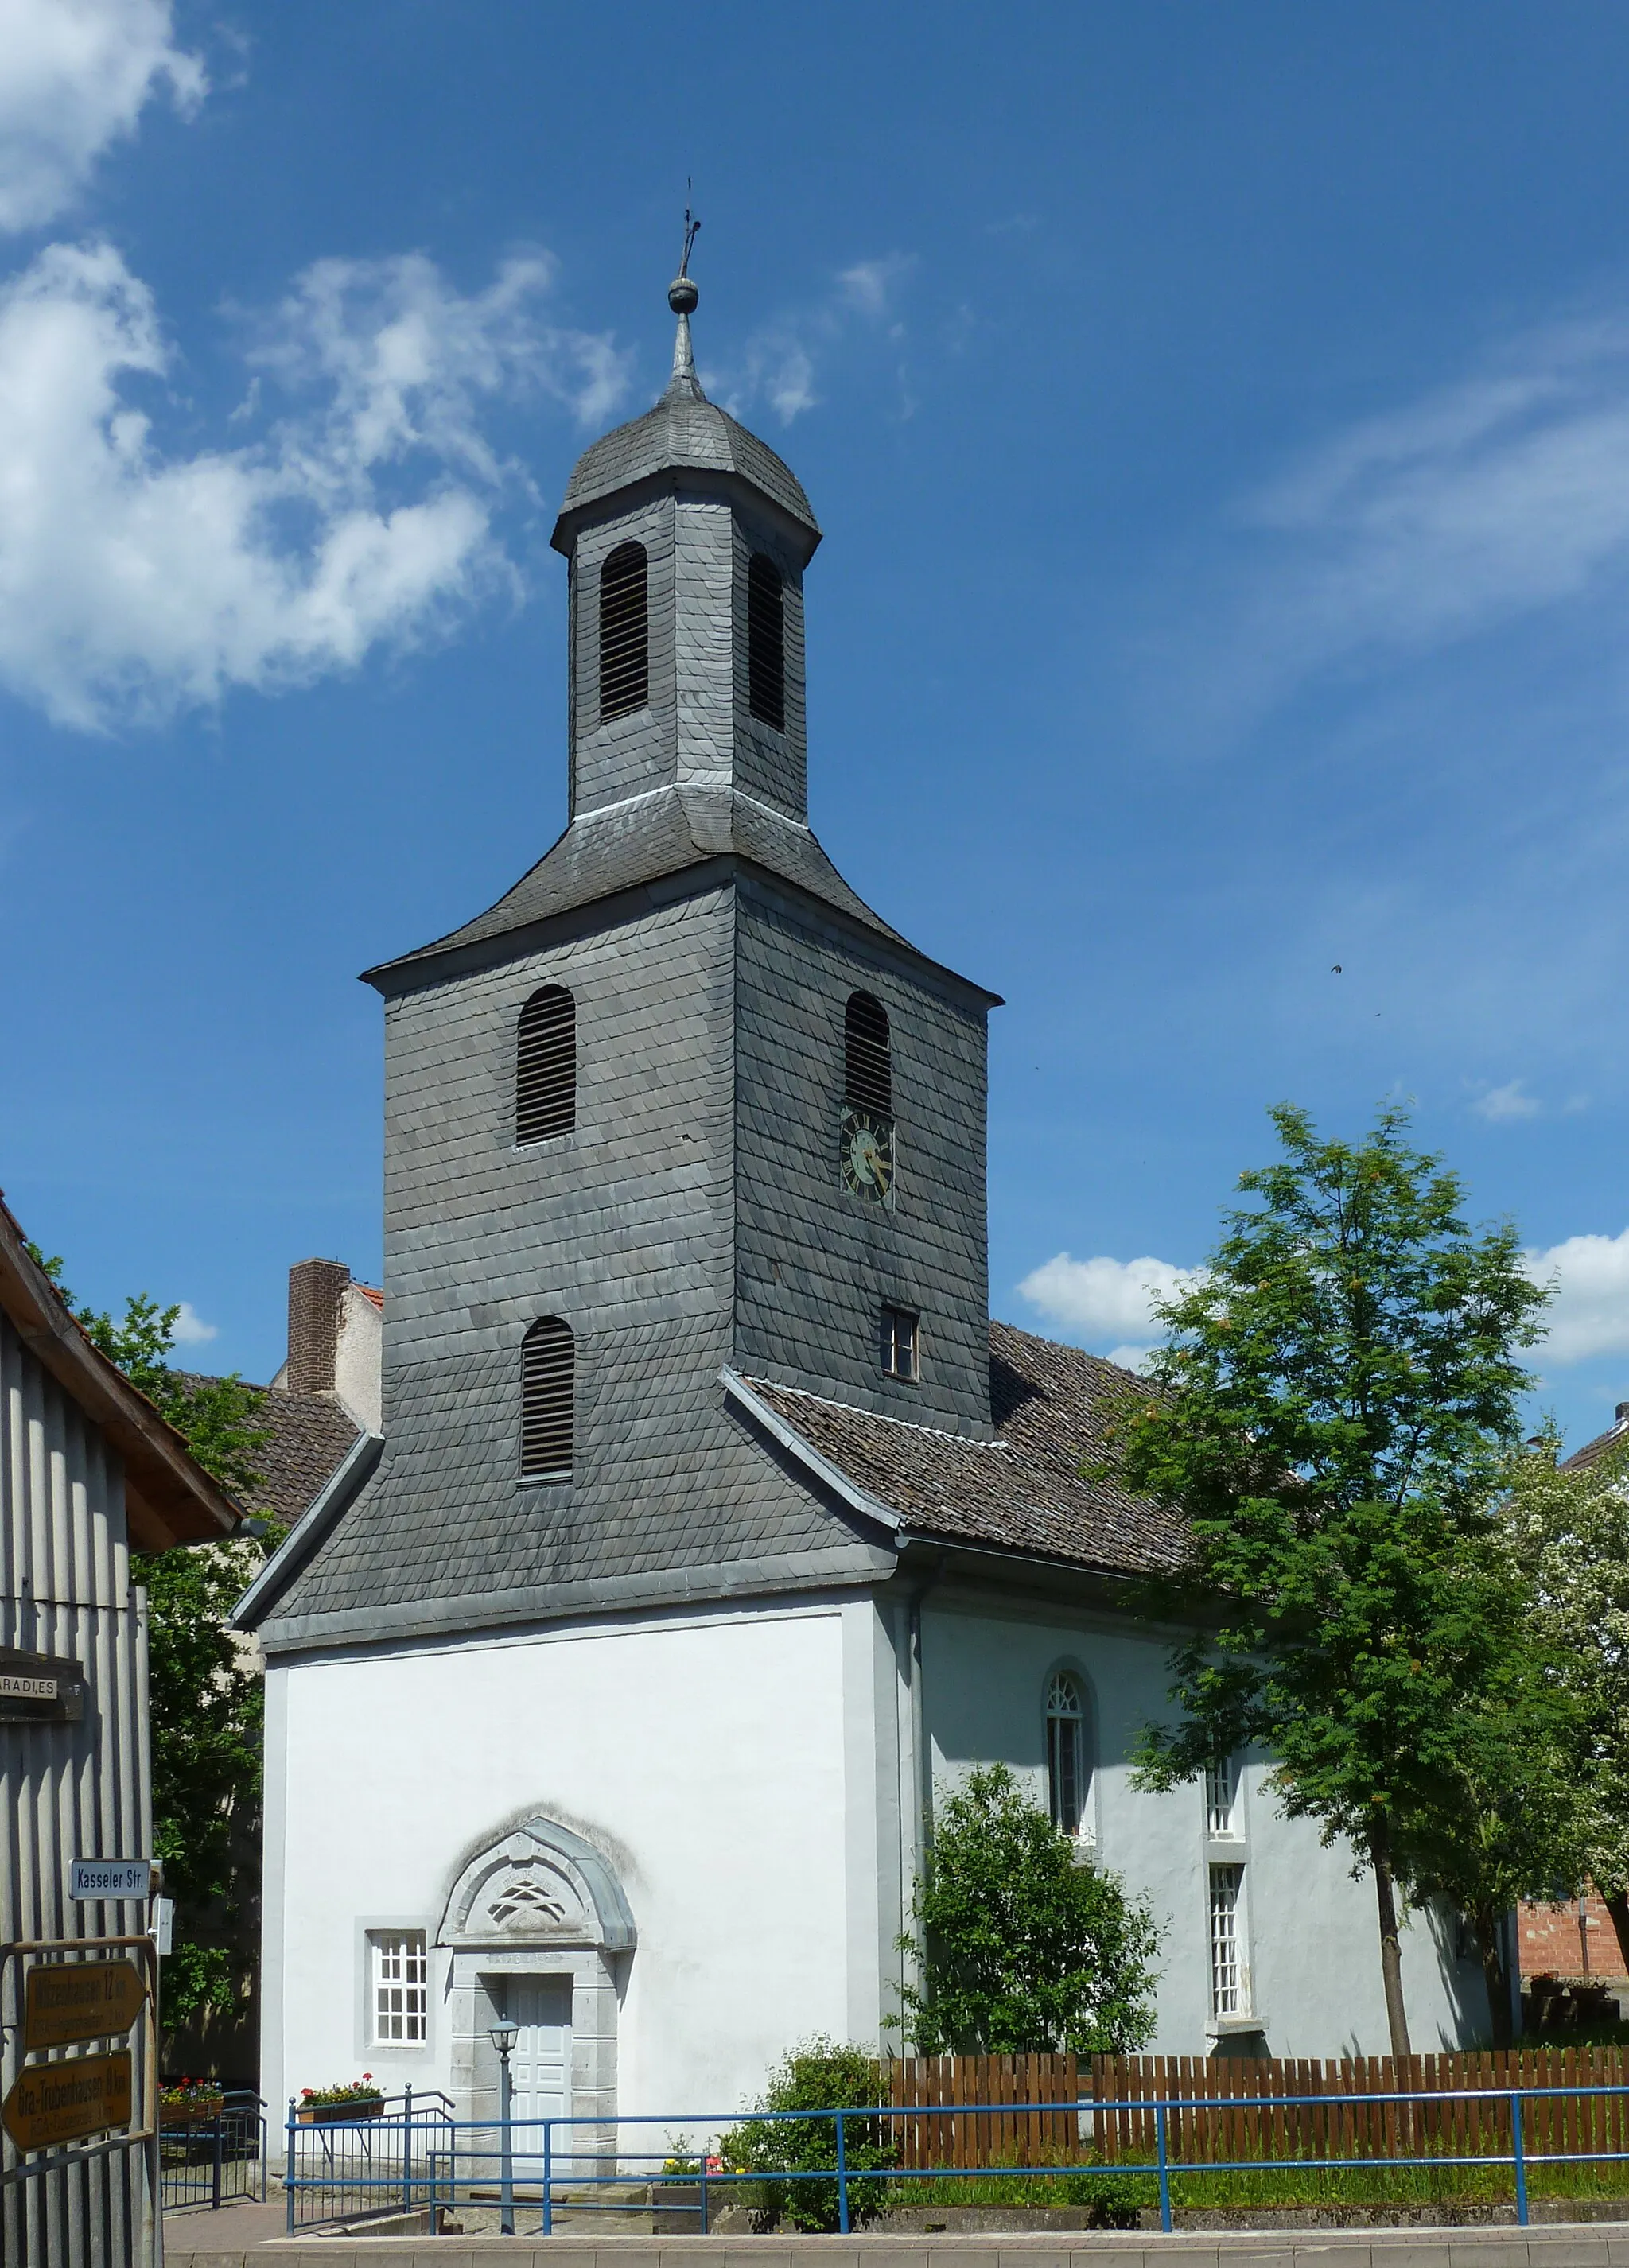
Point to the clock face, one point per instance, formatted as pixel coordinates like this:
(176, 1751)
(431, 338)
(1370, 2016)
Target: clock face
(866, 1155)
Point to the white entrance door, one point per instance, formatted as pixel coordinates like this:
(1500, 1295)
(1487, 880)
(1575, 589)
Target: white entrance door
(539, 2066)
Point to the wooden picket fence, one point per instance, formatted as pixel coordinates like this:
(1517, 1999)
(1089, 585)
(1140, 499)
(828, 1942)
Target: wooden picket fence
(1009, 2136)
(1224, 2124)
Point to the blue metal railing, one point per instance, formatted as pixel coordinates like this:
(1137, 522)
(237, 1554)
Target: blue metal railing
(438, 2163)
(214, 2160)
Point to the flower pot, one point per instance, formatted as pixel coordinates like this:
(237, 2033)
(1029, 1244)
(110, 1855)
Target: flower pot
(340, 2114)
(203, 2110)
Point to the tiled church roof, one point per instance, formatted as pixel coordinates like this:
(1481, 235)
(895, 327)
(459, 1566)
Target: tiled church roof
(1034, 1489)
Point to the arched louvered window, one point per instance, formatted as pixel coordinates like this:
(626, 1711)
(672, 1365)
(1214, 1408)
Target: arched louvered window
(624, 632)
(766, 643)
(548, 1389)
(867, 1064)
(1066, 1752)
(546, 1066)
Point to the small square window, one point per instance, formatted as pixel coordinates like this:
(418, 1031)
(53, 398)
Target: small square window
(399, 1997)
(899, 1344)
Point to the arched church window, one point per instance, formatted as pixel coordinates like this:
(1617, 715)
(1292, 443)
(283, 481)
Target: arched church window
(766, 643)
(867, 1057)
(546, 1066)
(624, 632)
(548, 1394)
(1066, 1752)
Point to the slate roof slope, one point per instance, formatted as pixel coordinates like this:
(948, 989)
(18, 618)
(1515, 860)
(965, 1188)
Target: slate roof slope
(1025, 1492)
(683, 431)
(628, 844)
(676, 1497)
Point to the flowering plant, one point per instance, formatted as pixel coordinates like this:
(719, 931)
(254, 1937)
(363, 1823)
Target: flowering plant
(189, 2094)
(354, 2090)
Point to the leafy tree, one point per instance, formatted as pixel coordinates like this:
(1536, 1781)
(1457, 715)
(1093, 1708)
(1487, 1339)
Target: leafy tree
(1026, 1949)
(205, 1690)
(1570, 1531)
(819, 2075)
(1507, 1822)
(1333, 1415)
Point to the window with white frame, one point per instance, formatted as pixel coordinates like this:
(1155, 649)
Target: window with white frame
(1066, 1752)
(399, 1988)
(1227, 1969)
(1221, 1799)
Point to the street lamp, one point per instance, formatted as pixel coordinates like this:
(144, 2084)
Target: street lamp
(504, 2035)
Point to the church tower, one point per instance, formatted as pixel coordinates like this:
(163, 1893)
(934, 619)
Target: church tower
(679, 1110)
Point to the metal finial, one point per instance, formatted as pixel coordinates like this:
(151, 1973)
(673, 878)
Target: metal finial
(681, 293)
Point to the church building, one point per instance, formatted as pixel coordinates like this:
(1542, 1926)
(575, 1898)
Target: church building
(716, 1530)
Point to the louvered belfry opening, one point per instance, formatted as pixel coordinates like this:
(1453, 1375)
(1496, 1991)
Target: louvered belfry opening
(546, 1066)
(548, 1389)
(868, 1067)
(624, 632)
(766, 643)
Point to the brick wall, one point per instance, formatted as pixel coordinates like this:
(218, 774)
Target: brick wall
(1552, 1943)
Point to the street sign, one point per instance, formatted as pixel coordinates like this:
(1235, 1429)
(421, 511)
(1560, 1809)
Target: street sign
(54, 2103)
(110, 1878)
(39, 1689)
(164, 1925)
(66, 2001)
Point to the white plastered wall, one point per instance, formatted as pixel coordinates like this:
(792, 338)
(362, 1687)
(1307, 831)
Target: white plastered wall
(705, 1757)
(1312, 1947)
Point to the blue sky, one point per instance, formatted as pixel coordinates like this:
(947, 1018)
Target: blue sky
(1220, 422)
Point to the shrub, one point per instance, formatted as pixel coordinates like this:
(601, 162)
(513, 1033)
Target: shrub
(819, 2075)
(1028, 1949)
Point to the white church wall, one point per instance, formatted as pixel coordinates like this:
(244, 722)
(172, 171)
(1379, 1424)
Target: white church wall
(705, 1757)
(1312, 1946)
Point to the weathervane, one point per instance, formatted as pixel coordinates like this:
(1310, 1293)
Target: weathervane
(681, 293)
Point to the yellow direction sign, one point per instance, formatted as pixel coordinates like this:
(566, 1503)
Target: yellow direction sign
(64, 2102)
(65, 2001)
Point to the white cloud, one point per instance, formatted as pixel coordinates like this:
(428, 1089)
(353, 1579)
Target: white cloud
(1106, 1298)
(76, 75)
(1130, 1357)
(779, 361)
(1493, 498)
(135, 581)
(1589, 1314)
(190, 1329)
(1509, 1101)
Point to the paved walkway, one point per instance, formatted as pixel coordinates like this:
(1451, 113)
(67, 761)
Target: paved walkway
(1597, 2245)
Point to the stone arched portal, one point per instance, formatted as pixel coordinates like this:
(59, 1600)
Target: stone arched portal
(538, 1928)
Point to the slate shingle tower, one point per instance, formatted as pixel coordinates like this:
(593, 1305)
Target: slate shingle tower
(703, 1209)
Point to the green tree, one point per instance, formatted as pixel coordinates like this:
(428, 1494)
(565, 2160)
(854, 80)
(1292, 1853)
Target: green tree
(205, 1690)
(1026, 1949)
(1570, 1531)
(1507, 1821)
(1333, 1415)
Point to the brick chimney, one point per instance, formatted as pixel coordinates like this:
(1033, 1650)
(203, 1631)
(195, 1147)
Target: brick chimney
(315, 1290)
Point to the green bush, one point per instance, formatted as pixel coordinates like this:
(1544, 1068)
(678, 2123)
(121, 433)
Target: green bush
(1026, 1949)
(1112, 2200)
(819, 2075)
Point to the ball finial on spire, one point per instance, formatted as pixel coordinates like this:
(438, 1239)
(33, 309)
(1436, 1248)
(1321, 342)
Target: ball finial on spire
(681, 293)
